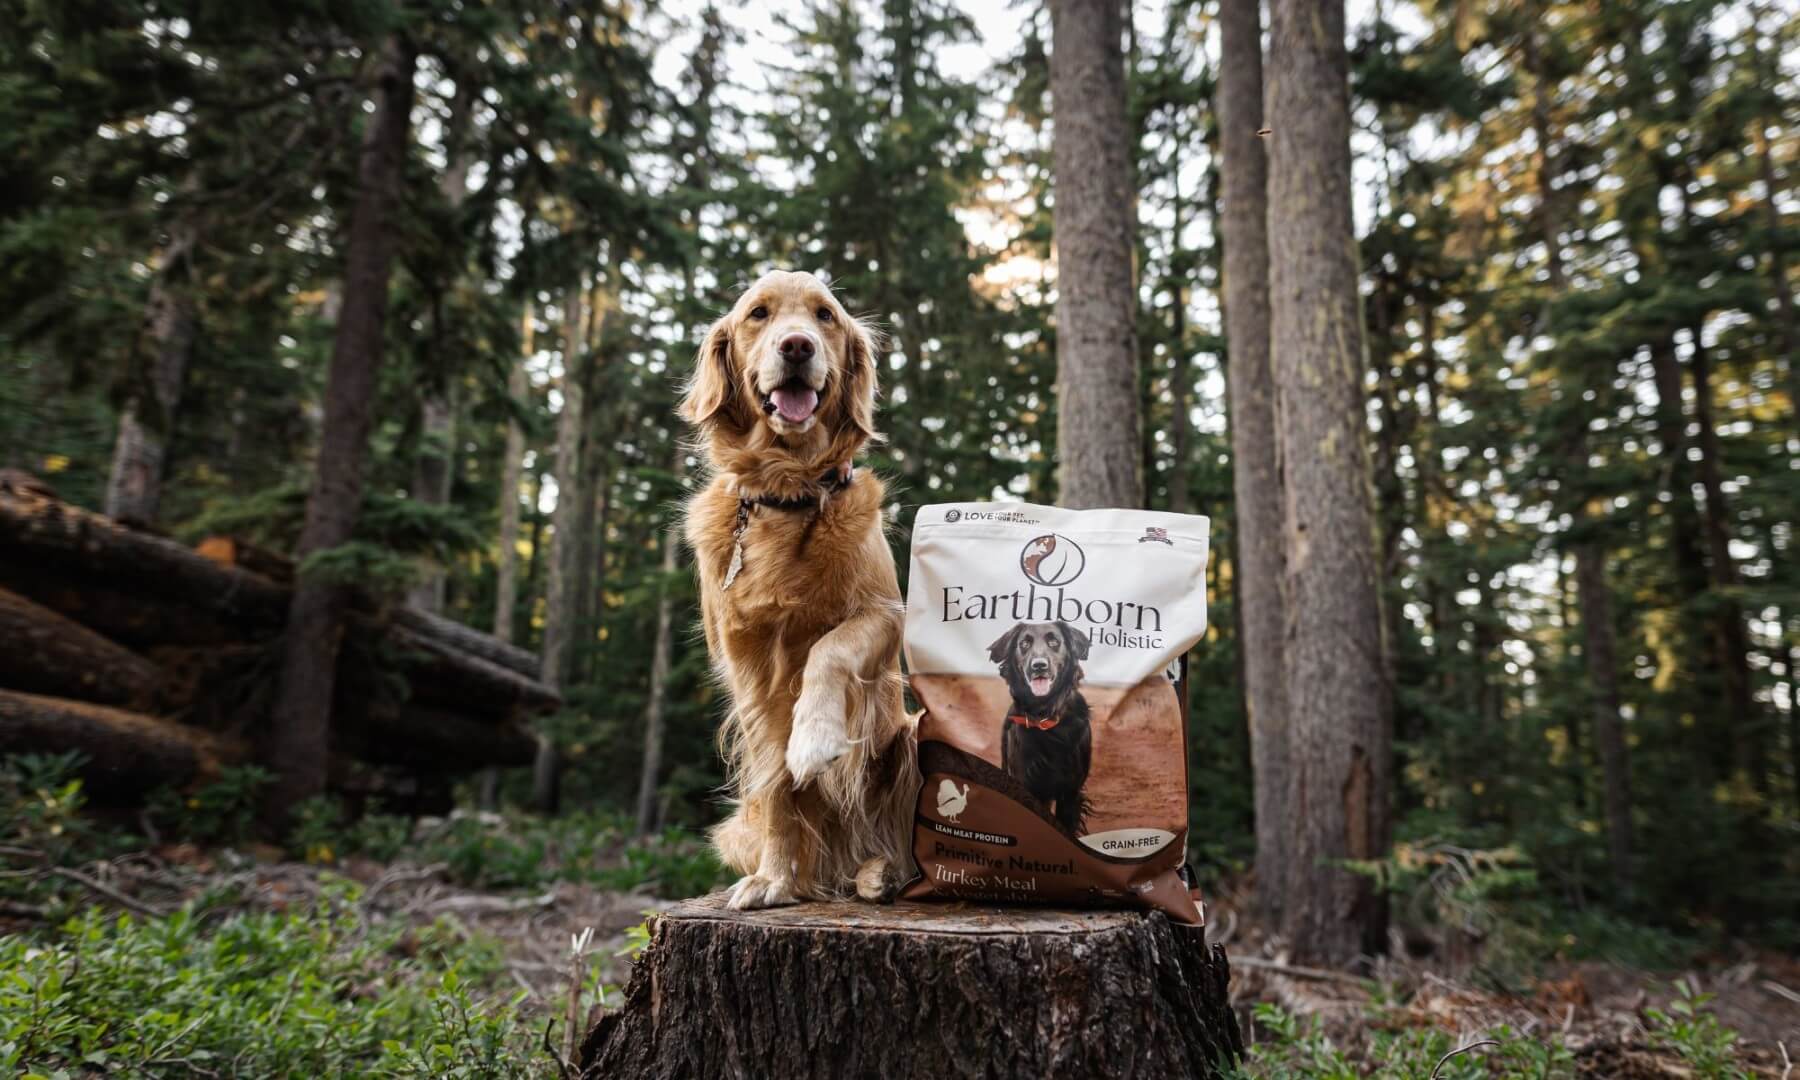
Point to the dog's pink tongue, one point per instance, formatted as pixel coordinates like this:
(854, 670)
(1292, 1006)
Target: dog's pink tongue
(1040, 686)
(795, 404)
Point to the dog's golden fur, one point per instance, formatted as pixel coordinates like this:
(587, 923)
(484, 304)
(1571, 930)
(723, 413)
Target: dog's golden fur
(806, 640)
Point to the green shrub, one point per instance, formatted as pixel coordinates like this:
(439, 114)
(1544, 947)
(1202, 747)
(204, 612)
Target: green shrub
(674, 865)
(313, 992)
(1288, 1049)
(1689, 1029)
(222, 812)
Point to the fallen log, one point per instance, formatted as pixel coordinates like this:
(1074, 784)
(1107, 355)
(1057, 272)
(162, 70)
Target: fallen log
(123, 613)
(442, 674)
(469, 640)
(127, 753)
(232, 551)
(148, 590)
(45, 533)
(918, 990)
(42, 652)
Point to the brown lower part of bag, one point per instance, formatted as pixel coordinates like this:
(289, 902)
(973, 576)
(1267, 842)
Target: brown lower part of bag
(1017, 853)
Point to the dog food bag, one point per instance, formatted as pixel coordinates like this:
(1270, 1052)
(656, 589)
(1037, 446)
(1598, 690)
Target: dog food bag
(1048, 649)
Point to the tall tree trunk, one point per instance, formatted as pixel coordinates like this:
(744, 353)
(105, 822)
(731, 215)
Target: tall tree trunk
(1600, 648)
(559, 596)
(1255, 457)
(1599, 640)
(434, 470)
(596, 462)
(1181, 374)
(1791, 660)
(134, 486)
(433, 473)
(1338, 699)
(1096, 336)
(659, 678)
(299, 725)
(512, 470)
(1769, 77)
(1731, 638)
(1671, 431)
(506, 566)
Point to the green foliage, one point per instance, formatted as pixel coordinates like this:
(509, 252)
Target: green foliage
(1495, 897)
(1689, 1028)
(222, 812)
(488, 851)
(41, 802)
(310, 992)
(672, 864)
(1287, 1048)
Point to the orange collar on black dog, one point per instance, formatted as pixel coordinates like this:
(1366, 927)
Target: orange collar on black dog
(1042, 723)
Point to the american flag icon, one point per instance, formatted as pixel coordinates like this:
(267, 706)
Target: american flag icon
(1160, 536)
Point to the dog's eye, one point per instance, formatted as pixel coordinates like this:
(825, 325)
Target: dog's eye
(1053, 643)
(1026, 641)
(759, 312)
(825, 314)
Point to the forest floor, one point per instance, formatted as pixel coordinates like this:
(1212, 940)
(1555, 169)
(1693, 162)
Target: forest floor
(1723, 1015)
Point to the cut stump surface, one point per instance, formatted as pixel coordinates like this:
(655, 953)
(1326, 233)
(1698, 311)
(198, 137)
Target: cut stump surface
(927, 990)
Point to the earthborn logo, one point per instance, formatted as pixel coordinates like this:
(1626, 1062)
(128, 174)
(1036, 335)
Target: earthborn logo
(1051, 560)
(952, 516)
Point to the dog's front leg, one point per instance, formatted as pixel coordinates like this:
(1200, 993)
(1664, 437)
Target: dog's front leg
(772, 883)
(857, 648)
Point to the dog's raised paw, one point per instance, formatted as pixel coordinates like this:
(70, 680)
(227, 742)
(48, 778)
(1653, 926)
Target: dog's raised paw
(755, 891)
(817, 740)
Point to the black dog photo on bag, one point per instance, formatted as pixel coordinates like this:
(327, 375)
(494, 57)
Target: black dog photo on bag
(1048, 650)
(1046, 742)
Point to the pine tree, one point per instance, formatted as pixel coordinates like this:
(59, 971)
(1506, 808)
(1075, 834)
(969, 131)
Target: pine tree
(1098, 427)
(1337, 698)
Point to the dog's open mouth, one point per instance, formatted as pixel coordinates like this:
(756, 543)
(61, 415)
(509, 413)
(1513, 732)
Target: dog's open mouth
(793, 400)
(1040, 685)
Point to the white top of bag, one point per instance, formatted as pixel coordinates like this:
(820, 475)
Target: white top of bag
(1132, 583)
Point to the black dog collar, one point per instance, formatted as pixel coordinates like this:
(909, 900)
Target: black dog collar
(834, 481)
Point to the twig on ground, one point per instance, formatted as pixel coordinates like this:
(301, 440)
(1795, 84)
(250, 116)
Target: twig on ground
(1787, 1063)
(100, 887)
(1258, 964)
(494, 905)
(1780, 991)
(402, 877)
(1461, 1050)
(563, 1068)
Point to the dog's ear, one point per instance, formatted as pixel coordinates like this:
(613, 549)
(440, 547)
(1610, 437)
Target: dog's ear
(1000, 652)
(860, 378)
(713, 384)
(1078, 641)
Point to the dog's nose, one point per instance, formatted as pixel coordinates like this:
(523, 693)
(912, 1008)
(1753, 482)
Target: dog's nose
(1039, 667)
(797, 348)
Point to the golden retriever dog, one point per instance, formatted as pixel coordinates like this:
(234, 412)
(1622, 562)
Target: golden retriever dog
(800, 601)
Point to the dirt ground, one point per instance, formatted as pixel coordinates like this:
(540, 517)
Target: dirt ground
(1598, 1010)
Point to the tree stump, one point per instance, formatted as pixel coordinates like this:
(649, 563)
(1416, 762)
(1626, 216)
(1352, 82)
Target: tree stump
(835, 990)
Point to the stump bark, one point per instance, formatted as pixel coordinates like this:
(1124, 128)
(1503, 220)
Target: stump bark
(929, 990)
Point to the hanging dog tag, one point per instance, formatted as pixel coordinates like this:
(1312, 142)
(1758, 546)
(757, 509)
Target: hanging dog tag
(737, 546)
(737, 563)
